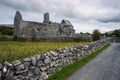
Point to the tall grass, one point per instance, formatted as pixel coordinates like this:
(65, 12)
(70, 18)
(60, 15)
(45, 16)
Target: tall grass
(10, 51)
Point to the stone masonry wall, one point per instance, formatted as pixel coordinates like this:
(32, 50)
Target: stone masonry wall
(41, 66)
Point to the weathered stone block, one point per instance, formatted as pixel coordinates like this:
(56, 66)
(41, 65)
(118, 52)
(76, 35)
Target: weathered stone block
(34, 61)
(47, 60)
(44, 75)
(16, 63)
(53, 53)
(43, 68)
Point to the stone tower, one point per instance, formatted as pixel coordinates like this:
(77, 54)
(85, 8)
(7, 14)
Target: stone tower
(17, 20)
(46, 18)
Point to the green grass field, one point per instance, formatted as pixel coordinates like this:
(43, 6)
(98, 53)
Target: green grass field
(10, 51)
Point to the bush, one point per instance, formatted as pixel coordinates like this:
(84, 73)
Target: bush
(96, 35)
(77, 39)
(16, 38)
(6, 30)
(72, 39)
(0, 34)
(3, 38)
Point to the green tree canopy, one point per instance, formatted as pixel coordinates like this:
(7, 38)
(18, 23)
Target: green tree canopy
(116, 33)
(96, 35)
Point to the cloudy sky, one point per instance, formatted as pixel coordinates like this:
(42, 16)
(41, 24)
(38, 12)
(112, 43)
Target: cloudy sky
(85, 15)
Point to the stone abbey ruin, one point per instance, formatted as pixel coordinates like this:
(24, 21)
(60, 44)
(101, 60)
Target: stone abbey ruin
(30, 29)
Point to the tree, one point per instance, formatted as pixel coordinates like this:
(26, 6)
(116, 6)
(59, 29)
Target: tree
(87, 33)
(108, 34)
(96, 35)
(116, 33)
(81, 32)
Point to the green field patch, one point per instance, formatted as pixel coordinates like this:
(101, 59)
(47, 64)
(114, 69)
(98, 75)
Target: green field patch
(10, 51)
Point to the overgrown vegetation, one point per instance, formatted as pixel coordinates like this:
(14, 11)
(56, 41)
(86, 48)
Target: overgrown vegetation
(65, 39)
(3, 38)
(70, 69)
(117, 39)
(34, 39)
(10, 51)
(6, 33)
(115, 32)
(6, 38)
(6, 30)
(73, 39)
(96, 35)
(21, 39)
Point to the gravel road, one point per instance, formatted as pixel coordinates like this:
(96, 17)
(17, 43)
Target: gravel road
(106, 66)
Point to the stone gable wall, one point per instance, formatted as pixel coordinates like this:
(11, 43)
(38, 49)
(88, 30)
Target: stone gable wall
(34, 29)
(29, 29)
(41, 66)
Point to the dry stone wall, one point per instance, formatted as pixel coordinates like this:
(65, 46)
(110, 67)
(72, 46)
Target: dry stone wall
(41, 66)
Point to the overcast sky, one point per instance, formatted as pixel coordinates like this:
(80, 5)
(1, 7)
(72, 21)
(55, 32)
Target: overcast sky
(85, 15)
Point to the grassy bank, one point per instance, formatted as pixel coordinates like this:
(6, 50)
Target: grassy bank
(70, 69)
(10, 51)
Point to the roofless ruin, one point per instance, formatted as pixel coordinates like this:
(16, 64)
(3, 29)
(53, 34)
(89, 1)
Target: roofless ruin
(30, 29)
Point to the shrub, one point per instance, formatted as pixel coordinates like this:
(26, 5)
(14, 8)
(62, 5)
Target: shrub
(16, 38)
(3, 38)
(6, 30)
(96, 35)
(77, 39)
(0, 34)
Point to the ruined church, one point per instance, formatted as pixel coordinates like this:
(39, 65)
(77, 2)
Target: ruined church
(31, 29)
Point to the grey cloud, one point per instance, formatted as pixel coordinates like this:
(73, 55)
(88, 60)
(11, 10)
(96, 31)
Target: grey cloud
(112, 3)
(101, 10)
(26, 5)
(110, 20)
(77, 11)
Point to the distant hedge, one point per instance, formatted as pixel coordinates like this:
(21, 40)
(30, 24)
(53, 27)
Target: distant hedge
(6, 30)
